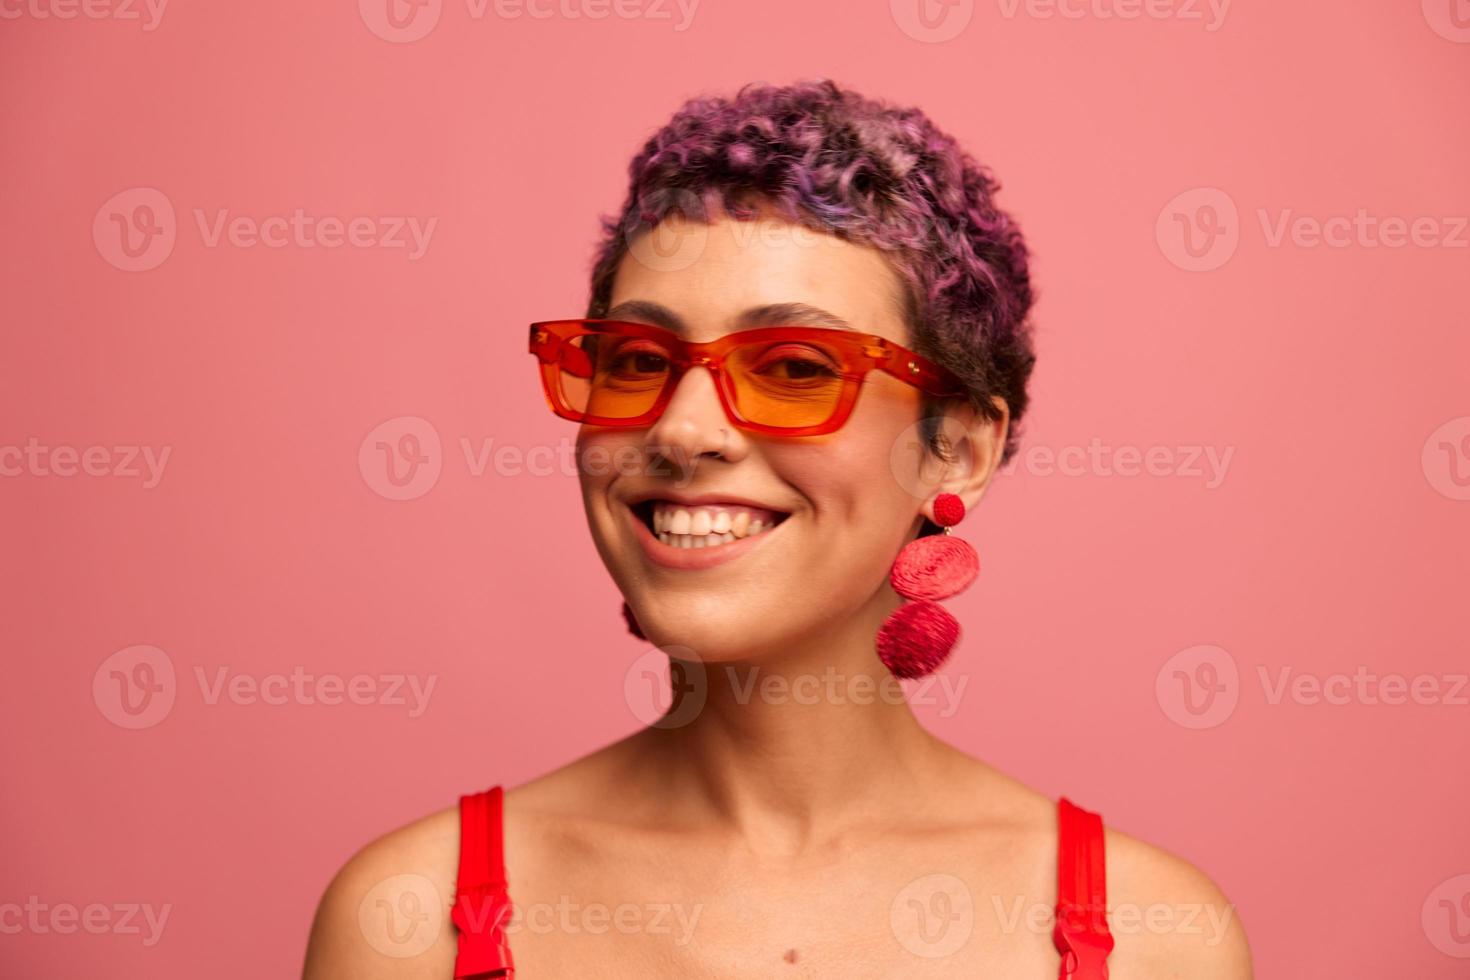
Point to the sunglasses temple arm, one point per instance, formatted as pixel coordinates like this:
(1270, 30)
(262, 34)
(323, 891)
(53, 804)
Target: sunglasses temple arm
(920, 373)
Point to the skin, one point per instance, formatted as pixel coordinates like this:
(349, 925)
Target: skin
(778, 834)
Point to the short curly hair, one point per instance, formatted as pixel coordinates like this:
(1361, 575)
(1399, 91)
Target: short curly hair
(868, 172)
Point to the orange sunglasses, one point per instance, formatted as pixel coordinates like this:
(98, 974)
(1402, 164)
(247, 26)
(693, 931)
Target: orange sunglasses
(789, 381)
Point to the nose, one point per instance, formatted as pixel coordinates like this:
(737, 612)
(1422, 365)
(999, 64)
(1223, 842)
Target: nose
(694, 424)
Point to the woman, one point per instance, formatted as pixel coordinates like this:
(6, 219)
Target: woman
(825, 246)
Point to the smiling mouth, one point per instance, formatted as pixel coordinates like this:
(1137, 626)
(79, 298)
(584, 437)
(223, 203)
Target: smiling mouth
(705, 525)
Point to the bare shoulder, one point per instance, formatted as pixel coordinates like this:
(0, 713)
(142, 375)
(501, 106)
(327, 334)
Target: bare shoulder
(1168, 918)
(385, 914)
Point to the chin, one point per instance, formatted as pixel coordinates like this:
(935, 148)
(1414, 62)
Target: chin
(713, 629)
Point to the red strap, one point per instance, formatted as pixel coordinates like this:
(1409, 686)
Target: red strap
(1081, 934)
(482, 906)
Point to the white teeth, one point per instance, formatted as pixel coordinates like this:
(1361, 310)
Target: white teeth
(695, 541)
(707, 526)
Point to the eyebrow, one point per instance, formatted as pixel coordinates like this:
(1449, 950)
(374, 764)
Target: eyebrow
(770, 315)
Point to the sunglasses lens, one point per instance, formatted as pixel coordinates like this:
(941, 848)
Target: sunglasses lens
(787, 384)
(612, 377)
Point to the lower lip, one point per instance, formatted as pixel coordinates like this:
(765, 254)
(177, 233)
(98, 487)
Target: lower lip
(694, 558)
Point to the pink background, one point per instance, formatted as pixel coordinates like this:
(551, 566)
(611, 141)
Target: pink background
(1336, 539)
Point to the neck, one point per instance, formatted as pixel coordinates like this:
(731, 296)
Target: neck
(793, 749)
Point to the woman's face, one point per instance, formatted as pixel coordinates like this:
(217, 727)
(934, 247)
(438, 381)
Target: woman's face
(844, 502)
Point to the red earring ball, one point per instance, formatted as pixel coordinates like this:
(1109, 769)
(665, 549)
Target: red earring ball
(919, 636)
(949, 509)
(934, 567)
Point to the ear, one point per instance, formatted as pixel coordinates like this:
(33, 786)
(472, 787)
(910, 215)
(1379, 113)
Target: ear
(976, 445)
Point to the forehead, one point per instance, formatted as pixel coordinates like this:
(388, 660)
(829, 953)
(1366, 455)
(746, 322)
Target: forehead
(712, 277)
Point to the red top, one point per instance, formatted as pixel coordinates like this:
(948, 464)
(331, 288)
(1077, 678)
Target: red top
(482, 906)
(1081, 933)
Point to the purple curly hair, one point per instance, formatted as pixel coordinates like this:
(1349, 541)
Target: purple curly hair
(870, 173)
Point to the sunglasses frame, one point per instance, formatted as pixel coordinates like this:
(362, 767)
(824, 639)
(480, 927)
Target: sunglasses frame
(862, 353)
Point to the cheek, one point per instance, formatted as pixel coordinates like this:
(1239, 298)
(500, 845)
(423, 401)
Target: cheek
(602, 456)
(858, 478)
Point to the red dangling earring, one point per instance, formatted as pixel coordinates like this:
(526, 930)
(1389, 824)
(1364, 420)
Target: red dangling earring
(919, 635)
(631, 621)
